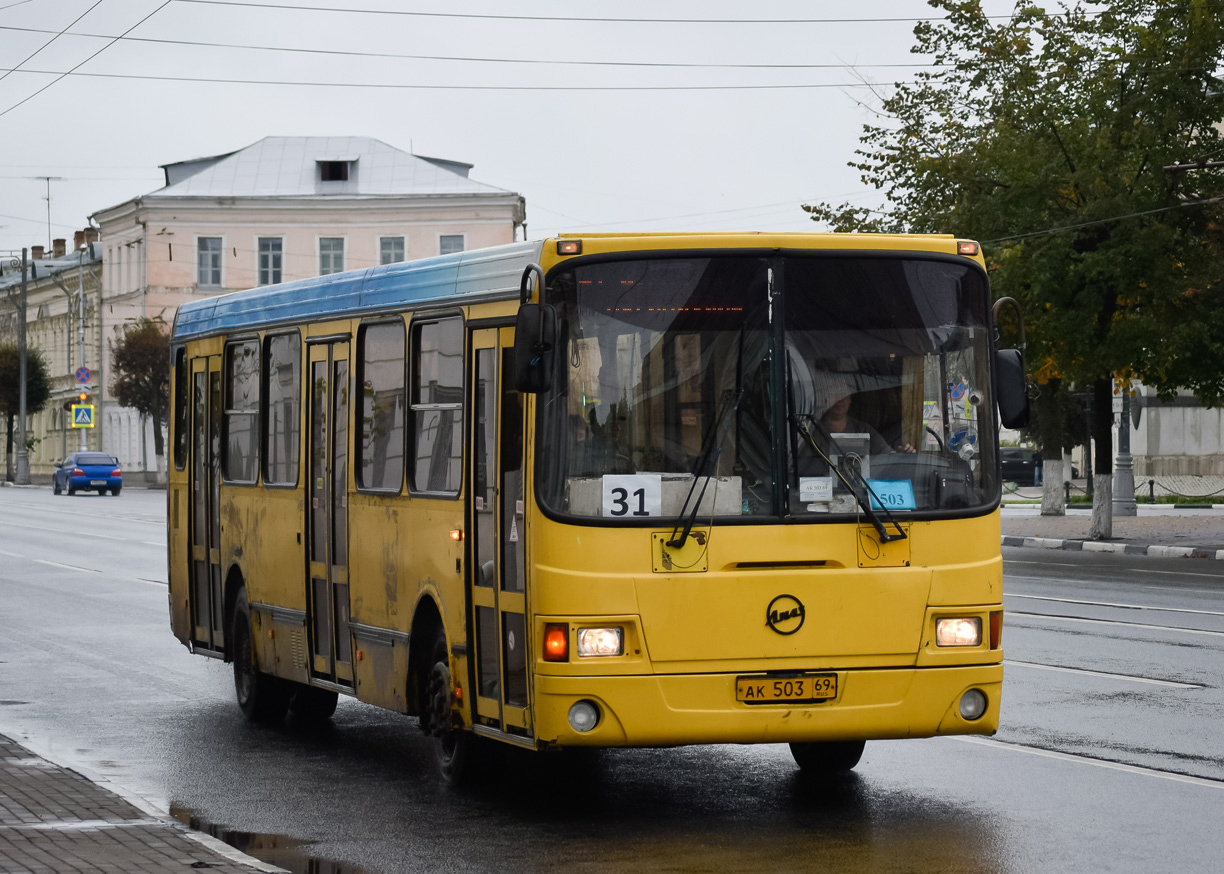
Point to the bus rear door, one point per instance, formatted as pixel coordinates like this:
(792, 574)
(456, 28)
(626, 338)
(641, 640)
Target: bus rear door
(327, 513)
(498, 572)
(207, 607)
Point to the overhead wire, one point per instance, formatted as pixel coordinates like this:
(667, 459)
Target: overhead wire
(423, 86)
(58, 34)
(460, 58)
(60, 76)
(560, 18)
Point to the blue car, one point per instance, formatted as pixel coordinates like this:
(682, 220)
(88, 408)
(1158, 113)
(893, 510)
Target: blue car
(88, 471)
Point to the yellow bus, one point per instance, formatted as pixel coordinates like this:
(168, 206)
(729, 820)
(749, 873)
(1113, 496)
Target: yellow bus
(604, 491)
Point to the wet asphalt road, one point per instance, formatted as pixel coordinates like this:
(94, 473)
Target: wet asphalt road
(1110, 756)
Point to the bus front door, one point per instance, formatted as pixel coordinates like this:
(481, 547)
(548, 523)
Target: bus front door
(207, 606)
(498, 571)
(327, 512)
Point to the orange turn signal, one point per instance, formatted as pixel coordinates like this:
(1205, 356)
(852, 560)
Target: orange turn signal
(556, 642)
(456, 534)
(967, 247)
(996, 628)
(569, 247)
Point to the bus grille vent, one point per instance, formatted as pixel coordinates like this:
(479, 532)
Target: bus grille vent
(299, 651)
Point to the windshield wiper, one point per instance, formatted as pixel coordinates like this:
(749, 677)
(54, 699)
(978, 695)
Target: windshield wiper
(705, 461)
(805, 427)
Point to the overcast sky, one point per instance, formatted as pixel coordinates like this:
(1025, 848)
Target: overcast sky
(603, 115)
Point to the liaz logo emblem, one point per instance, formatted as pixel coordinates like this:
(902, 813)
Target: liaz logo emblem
(784, 614)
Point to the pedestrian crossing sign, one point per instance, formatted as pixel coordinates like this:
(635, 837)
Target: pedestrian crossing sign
(82, 416)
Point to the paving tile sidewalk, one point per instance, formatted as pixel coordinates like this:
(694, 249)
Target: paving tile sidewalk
(53, 820)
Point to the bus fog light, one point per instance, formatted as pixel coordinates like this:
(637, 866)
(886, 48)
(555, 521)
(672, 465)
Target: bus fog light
(958, 631)
(600, 642)
(972, 705)
(583, 716)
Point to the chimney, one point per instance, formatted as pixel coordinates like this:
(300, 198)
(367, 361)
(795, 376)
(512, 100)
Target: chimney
(91, 235)
(36, 252)
(78, 241)
(59, 248)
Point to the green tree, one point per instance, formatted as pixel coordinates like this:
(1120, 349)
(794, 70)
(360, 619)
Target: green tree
(38, 392)
(1048, 137)
(141, 365)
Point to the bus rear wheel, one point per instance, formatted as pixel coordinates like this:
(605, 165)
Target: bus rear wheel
(828, 757)
(262, 697)
(453, 748)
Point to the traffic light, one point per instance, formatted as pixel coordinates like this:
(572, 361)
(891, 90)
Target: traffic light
(83, 397)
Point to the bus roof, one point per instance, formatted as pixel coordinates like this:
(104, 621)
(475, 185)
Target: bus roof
(477, 275)
(464, 277)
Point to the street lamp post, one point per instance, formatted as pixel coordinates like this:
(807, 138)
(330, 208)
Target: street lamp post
(1124, 471)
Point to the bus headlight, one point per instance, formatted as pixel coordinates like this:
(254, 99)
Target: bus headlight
(958, 631)
(595, 642)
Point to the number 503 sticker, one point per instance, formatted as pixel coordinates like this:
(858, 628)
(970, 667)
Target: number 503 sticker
(632, 495)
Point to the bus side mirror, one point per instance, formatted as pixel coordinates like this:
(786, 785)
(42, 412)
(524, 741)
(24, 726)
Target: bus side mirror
(535, 342)
(1010, 388)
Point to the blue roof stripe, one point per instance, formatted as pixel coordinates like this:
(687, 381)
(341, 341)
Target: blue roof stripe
(453, 278)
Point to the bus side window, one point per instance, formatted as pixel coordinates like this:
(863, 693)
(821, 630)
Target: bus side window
(180, 409)
(436, 434)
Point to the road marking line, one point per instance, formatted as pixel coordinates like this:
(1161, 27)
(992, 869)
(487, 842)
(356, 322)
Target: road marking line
(1115, 604)
(1099, 763)
(11, 554)
(1106, 674)
(1113, 622)
(70, 567)
(76, 532)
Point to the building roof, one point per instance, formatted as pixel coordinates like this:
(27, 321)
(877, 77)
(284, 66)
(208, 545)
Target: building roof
(289, 167)
(10, 275)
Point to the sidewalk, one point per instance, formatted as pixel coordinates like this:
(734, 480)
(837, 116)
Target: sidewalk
(54, 820)
(1158, 530)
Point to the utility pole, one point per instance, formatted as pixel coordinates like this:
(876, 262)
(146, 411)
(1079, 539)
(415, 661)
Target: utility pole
(23, 454)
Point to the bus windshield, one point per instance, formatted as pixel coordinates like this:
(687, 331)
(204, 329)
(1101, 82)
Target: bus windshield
(810, 386)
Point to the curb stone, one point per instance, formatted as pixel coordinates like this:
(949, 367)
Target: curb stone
(1119, 548)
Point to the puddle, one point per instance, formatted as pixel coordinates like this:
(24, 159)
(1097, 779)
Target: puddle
(292, 854)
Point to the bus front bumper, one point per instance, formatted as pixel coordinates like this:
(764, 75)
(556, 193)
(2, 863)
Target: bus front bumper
(671, 710)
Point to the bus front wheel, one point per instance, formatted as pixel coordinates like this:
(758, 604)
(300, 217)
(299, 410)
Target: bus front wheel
(828, 757)
(262, 697)
(452, 747)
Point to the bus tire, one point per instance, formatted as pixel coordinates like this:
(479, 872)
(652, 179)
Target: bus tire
(826, 758)
(262, 697)
(312, 704)
(453, 748)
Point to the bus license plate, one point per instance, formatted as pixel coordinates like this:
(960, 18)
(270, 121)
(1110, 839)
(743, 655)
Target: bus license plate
(768, 690)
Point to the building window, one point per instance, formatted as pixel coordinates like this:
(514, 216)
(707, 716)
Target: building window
(390, 250)
(241, 417)
(331, 255)
(437, 406)
(380, 463)
(282, 426)
(271, 259)
(208, 261)
(334, 171)
(449, 243)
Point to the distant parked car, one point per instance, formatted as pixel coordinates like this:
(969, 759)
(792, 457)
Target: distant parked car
(86, 471)
(1020, 465)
